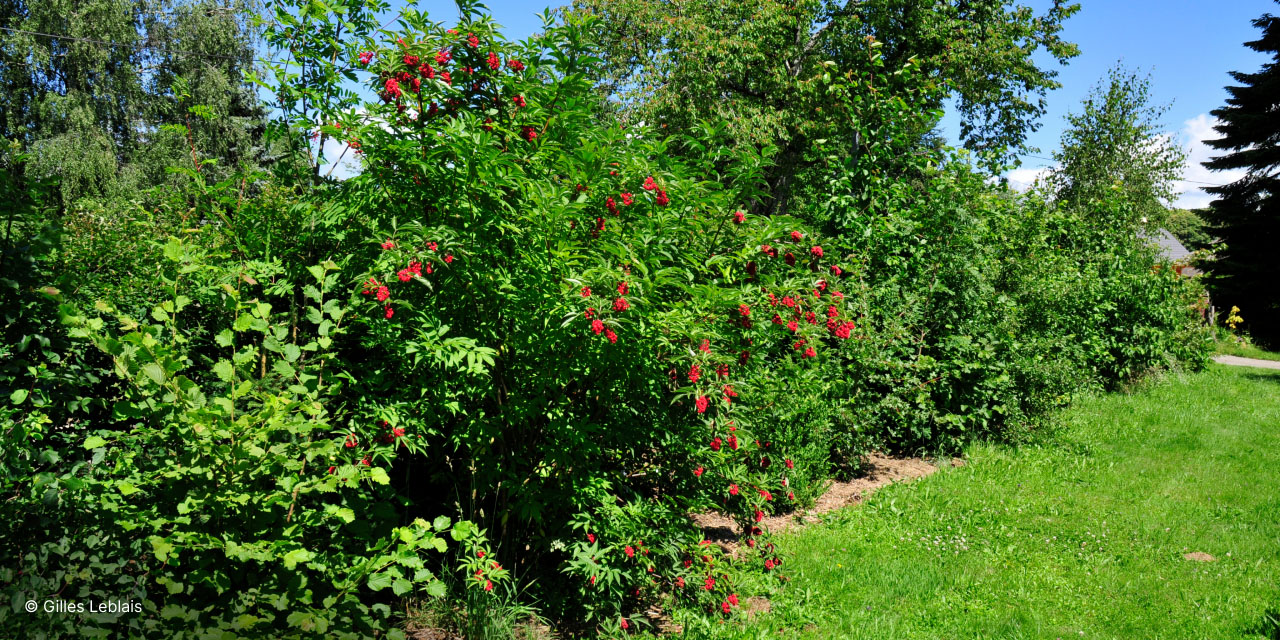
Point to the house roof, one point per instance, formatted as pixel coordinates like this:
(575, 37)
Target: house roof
(1169, 247)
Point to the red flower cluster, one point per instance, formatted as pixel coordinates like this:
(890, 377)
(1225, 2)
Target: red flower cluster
(410, 60)
(519, 102)
(621, 305)
(443, 56)
(796, 235)
(529, 133)
(392, 89)
(702, 404)
(366, 57)
(738, 217)
(472, 40)
(705, 347)
(649, 184)
(586, 291)
(695, 373)
(515, 65)
(816, 251)
(662, 199)
(494, 62)
(627, 199)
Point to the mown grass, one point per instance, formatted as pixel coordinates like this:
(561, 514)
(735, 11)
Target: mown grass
(1083, 537)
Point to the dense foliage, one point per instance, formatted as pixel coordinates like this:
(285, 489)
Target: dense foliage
(510, 358)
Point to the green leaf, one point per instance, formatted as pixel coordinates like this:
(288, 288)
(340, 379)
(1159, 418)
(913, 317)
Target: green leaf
(292, 558)
(154, 371)
(435, 589)
(224, 371)
(93, 442)
(126, 489)
(441, 523)
(18, 396)
(161, 548)
(379, 581)
(379, 475)
(292, 352)
(400, 586)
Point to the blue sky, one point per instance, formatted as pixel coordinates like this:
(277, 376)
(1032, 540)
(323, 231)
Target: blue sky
(1187, 47)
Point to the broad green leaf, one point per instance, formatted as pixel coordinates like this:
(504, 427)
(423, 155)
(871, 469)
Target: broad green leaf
(379, 581)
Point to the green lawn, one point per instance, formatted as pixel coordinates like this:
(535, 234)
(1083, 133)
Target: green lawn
(1083, 538)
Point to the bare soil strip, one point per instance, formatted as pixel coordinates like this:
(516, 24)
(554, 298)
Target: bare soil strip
(881, 470)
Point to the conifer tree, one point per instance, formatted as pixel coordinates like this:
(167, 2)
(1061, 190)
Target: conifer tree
(1246, 214)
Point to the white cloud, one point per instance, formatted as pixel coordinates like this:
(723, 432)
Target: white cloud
(1190, 189)
(1025, 178)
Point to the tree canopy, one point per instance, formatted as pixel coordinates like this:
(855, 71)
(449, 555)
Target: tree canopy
(752, 63)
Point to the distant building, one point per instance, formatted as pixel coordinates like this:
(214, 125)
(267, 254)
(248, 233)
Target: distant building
(1172, 250)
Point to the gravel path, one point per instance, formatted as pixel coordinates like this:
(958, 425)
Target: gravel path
(1247, 362)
